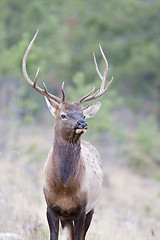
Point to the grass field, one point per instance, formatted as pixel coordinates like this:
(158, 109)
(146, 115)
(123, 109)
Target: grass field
(128, 208)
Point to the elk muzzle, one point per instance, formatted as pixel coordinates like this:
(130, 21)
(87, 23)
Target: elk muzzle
(81, 126)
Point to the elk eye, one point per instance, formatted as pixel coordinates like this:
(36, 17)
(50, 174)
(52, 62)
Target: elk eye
(63, 116)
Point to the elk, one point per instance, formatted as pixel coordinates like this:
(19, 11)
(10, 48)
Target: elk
(73, 174)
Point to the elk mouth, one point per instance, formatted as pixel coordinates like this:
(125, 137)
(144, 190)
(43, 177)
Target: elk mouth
(80, 130)
(81, 127)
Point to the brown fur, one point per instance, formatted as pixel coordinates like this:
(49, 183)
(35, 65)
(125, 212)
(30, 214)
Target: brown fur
(72, 176)
(59, 186)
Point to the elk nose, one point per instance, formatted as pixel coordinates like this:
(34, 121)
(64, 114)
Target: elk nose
(82, 124)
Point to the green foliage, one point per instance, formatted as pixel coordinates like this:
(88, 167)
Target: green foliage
(142, 148)
(147, 136)
(70, 31)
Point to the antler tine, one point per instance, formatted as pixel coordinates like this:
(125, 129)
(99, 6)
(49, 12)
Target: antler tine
(88, 94)
(102, 89)
(34, 84)
(63, 93)
(45, 88)
(95, 62)
(35, 79)
(105, 61)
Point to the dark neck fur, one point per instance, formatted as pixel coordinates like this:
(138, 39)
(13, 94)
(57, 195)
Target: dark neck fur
(67, 155)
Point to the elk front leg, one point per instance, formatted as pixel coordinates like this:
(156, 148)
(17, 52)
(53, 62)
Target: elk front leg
(53, 222)
(79, 224)
(87, 223)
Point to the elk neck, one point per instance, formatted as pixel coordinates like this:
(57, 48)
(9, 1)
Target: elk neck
(66, 156)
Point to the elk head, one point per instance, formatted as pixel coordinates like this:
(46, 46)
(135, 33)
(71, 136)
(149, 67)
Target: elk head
(69, 117)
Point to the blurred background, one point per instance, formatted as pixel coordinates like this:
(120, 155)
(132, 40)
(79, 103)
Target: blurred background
(125, 131)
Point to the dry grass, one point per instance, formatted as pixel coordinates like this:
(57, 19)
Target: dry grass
(128, 208)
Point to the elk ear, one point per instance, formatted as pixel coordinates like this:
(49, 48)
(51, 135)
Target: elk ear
(51, 105)
(90, 110)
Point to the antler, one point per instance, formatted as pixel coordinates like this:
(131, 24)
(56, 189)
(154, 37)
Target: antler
(102, 89)
(34, 84)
